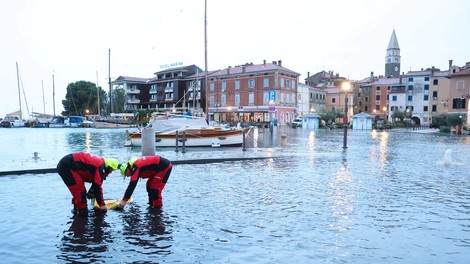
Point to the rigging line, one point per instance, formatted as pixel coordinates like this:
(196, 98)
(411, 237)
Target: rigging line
(89, 98)
(24, 94)
(73, 101)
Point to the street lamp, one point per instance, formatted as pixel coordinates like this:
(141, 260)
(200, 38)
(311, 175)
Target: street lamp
(345, 86)
(385, 113)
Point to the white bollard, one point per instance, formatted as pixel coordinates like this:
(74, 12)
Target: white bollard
(148, 142)
(284, 140)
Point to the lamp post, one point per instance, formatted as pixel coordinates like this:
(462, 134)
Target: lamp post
(345, 86)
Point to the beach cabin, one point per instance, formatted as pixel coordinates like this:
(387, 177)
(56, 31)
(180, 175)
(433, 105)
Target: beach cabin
(362, 121)
(311, 121)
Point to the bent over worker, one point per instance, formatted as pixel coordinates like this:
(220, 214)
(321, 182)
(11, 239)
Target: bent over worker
(78, 168)
(154, 168)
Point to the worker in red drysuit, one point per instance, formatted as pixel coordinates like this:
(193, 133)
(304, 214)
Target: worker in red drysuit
(154, 168)
(77, 168)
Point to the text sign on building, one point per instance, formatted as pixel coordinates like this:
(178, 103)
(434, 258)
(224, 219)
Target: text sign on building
(171, 65)
(272, 96)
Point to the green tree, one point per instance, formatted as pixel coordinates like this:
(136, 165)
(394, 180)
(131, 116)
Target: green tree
(454, 120)
(119, 100)
(328, 116)
(439, 120)
(82, 96)
(398, 115)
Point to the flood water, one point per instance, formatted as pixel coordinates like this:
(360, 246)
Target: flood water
(387, 198)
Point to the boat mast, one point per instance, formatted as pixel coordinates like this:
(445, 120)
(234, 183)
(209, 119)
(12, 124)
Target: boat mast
(98, 93)
(205, 59)
(109, 81)
(53, 92)
(19, 90)
(43, 101)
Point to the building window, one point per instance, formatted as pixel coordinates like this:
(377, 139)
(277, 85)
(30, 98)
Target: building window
(410, 79)
(288, 98)
(377, 88)
(211, 100)
(282, 82)
(426, 97)
(224, 86)
(251, 98)
(426, 79)
(333, 100)
(266, 83)
(265, 98)
(410, 87)
(394, 98)
(410, 98)
(293, 84)
(237, 84)
(377, 97)
(435, 81)
(458, 103)
(223, 100)
(434, 108)
(425, 108)
(460, 85)
(251, 83)
(211, 87)
(426, 87)
(288, 83)
(237, 99)
(434, 94)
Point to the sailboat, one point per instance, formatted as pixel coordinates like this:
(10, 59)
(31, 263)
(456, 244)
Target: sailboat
(15, 119)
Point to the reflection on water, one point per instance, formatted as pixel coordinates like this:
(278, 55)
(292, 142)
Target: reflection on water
(86, 238)
(386, 198)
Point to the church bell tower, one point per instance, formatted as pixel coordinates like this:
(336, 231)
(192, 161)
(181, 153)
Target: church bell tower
(393, 58)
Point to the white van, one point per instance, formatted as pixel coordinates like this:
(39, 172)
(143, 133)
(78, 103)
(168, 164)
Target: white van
(297, 122)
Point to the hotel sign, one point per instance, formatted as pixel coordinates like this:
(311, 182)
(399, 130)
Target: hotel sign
(171, 65)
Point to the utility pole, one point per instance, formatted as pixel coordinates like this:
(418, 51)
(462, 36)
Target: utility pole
(109, 81)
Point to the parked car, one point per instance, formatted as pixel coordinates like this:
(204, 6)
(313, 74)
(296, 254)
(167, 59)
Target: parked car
(297, 122)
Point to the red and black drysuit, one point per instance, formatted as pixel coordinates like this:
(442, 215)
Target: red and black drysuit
(154, 168)
(78, 168)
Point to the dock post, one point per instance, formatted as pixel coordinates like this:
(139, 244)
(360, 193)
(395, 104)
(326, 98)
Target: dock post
(176, 150)
(243, 143)
(184, 142)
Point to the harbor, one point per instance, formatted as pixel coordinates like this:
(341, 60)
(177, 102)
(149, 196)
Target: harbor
(294, 195)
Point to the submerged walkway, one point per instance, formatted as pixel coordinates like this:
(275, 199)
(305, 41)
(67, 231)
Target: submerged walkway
(174, 162)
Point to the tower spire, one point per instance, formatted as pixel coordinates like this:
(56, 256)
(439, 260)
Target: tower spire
(393, 58)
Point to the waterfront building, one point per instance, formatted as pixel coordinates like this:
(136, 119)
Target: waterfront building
(303, 99)
(362, 94)
(310, 99)
(459, 93)
(253, 94)
(167, 90)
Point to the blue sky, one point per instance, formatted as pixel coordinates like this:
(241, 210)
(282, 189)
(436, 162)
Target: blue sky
(70, 39)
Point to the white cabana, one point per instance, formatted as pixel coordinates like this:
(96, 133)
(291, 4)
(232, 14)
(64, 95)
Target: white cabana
(310, 121)
(362, 121)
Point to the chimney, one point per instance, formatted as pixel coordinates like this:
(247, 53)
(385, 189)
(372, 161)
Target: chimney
(450, 64)
(308, 74)
(279, 62)
(274, 62)
(243, 68)
(228, 70)
(264, 61)
(371, 76)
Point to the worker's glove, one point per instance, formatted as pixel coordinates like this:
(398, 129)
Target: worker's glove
(121, 204)
(90, 194)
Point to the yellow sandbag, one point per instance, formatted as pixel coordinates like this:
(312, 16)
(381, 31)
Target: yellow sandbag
(111, 204)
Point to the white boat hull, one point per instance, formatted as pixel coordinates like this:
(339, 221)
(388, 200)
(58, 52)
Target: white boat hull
(169, 140)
